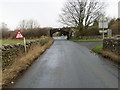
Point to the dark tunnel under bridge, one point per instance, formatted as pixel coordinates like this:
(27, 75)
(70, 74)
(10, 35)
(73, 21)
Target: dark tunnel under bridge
(64, 32)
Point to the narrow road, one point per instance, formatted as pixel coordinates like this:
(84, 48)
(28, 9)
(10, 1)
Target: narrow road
(69, 65)
(89, 44)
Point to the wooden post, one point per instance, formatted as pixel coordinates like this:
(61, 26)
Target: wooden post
(25, 45)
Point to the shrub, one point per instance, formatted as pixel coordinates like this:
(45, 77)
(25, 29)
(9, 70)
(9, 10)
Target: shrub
(29, 34)
(116, 27)
(91, 31)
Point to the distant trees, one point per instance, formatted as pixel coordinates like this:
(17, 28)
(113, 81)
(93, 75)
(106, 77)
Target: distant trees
(28, 24)
(4, 30)
(111, 22)
(22, 25)
(29, 34)
(36, 33)
(30, 29)
(3, 27)
(116, 27)
(81, 13)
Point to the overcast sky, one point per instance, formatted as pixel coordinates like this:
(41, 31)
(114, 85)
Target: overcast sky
(46, 12)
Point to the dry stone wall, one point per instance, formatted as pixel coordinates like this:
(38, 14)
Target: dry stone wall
(12, 52)
(112, 45)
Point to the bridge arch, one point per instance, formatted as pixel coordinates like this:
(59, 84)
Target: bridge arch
(64, 32)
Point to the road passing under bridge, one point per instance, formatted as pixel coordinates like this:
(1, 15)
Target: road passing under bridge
(69, 65)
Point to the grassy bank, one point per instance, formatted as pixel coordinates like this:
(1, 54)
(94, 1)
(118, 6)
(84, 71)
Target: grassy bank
(13, 41)
(98, 48)
(21, 64)
(85, 39)
(106, 54)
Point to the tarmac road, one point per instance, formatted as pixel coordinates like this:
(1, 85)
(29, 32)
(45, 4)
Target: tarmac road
(89, 44)
(69, 65)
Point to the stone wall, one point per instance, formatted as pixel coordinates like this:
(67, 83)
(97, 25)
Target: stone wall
(112, 45)
(10, 53)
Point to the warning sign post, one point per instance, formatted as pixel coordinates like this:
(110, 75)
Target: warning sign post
(20, 36)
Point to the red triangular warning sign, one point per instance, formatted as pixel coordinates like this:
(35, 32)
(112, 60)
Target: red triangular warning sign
(19, 35)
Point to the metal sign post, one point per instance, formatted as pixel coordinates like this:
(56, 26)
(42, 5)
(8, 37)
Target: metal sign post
(103, 32)
(20, 36)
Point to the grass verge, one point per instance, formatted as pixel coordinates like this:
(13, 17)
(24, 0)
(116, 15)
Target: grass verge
(20, 65)
(86, 40)
(112, 56)
(13, 41)
(106, 54)
(98, 48)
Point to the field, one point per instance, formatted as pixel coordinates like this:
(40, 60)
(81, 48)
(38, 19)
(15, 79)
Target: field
(85, 39)
(14, 41)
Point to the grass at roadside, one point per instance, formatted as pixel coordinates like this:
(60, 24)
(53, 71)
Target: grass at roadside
(13, 41)
(106, 54)
(85, 39)
(97, 48)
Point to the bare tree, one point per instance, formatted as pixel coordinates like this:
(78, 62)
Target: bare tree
(80, 13)
(31, 24)
(22, 25)
(3, 27)
(28, 24)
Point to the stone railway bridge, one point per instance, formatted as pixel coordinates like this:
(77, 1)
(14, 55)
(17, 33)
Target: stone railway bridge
(63, 31)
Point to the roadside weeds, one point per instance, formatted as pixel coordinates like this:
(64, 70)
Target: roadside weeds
(107, 54)
(20, 65)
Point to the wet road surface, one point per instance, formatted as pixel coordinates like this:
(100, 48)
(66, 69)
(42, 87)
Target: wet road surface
(69, 65)
(89, 44)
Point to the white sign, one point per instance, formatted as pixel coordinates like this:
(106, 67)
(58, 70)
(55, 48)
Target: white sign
(101, 31)
(109, 32)
(103, 24)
